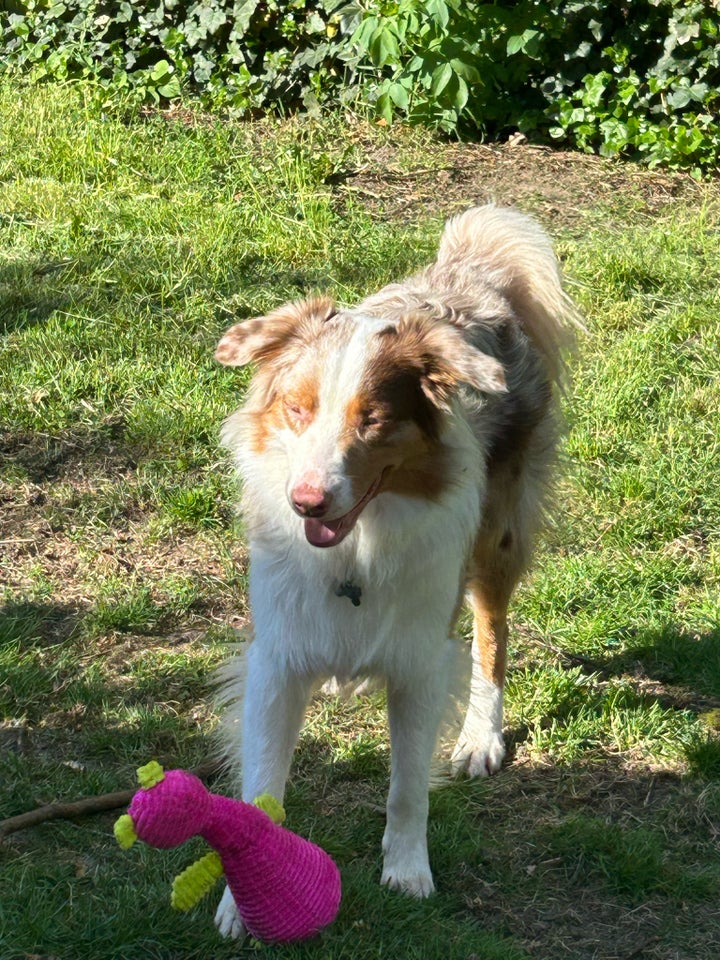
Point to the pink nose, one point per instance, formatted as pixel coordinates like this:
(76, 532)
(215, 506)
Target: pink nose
(310, 501)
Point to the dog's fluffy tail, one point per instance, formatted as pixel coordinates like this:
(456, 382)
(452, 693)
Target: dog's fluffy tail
(517, 258)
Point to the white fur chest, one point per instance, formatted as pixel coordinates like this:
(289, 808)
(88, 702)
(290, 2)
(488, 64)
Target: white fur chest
(404, 563)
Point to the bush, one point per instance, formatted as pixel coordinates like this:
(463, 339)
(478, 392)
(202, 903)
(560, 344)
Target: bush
(642, 80)
(247, 55)
(636, 79)
(639, 80)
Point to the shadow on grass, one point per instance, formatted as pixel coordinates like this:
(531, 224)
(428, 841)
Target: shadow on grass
(26, 299)
(43, 457)
(36, 623)
(117, 699)
(594, 860)
(689, 662)
(599, 856)
(591, 860)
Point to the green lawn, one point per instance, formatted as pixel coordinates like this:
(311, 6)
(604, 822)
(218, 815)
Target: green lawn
(126, 246)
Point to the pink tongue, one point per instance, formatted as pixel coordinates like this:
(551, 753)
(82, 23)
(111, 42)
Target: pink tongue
(320, 534)
(328, 533)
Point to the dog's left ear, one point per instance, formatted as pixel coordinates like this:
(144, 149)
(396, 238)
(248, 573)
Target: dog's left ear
(263, 338)
(446, 360)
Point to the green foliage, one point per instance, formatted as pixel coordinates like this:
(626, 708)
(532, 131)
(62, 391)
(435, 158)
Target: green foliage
(649, 85)
(637, 80)
(424, 53)
(245, 54)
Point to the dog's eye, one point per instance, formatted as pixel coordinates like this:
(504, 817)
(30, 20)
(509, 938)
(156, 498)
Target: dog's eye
(296, 411)
(371, 422)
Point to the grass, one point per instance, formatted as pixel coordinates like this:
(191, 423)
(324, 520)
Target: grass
(126, 246)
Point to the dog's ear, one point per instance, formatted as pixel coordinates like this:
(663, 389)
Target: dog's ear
(445, 359)
(263, 338)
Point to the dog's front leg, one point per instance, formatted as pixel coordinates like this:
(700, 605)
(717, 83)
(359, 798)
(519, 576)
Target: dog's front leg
(273, 710)
(414, 711)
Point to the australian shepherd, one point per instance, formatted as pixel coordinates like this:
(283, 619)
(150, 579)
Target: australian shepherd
(395, 457)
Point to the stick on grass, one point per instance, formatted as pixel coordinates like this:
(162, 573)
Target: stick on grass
(81, 808)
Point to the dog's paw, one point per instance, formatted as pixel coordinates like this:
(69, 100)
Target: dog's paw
(227, 918)
(407, 870)
(479, 757)
(414, 882)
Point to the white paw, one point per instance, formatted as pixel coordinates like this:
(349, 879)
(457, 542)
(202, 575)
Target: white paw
(479, 756)
(335, 688)
(406, 869)
(416, 883)
(227, 918)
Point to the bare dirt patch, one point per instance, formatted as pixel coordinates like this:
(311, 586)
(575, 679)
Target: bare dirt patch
(404, 179)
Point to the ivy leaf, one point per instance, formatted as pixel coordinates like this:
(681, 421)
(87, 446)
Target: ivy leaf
(679, 98)
(685, 31)
(243, 11)
(315, 23)
(699, 91)
(161, 70)
(171, 90)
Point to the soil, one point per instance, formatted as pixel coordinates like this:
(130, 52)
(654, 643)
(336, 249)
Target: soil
(397, 182)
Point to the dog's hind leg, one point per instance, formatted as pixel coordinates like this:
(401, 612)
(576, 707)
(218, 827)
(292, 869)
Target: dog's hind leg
(499, 559)
(480, 748)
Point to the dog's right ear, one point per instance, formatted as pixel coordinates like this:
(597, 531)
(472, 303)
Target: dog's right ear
(263, 338)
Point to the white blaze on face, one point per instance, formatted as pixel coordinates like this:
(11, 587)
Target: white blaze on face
(317, 455)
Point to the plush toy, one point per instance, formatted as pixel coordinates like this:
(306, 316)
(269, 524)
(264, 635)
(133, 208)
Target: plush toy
(285, 887)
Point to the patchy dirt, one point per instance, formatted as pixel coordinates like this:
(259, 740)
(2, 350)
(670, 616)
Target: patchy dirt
(517, 875)
(60, 562)
(563, 905)
(405, 174)
(402, 179)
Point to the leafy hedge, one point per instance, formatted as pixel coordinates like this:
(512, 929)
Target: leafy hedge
(243, 54)
(636, 79)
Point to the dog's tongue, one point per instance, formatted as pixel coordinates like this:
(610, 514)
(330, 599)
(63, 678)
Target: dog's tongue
(328, 533)
(321, 533)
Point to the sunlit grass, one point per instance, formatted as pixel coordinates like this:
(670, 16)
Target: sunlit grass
(125, 249)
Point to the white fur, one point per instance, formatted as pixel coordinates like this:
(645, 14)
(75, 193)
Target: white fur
(315, 456)
(303, 632)
(480, 748)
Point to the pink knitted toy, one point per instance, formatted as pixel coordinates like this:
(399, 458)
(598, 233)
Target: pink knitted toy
(285, 888)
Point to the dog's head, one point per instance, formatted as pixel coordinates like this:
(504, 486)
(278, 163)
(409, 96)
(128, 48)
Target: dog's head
(356, 403)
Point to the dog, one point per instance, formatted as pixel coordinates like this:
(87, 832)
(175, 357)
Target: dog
(396, 456)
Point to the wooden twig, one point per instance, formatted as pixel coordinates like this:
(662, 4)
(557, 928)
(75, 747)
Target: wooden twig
(81, 808)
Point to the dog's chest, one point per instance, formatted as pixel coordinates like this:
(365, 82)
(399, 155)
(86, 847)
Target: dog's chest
(346, 613)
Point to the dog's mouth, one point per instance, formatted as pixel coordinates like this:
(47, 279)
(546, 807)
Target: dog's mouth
(328, 533)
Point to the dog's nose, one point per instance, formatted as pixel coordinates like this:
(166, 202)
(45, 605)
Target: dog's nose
(310, 501)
